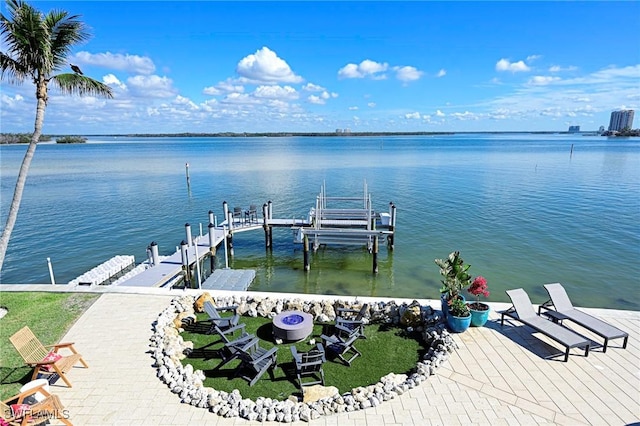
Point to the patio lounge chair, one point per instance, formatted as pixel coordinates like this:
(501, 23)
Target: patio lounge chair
(223, 323)
(563, 309)
(309, 366)
(352, 319)
(523, 311)
(43, 360)
(24, 409)
(256, 360)
(341, 343)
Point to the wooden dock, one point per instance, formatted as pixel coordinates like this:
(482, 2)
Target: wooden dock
(352, 222)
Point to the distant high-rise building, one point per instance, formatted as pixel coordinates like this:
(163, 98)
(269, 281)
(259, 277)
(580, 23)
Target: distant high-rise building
(574, 129)
(621, 120)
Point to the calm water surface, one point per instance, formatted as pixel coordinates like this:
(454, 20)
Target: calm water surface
(522, 209)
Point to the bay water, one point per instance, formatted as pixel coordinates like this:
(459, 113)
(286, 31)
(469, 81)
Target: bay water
(523, 209)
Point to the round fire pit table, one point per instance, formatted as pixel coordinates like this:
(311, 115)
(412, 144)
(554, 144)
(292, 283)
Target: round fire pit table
(292, 325)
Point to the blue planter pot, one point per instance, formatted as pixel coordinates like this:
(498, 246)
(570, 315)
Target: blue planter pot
(445, 306)
(478, 317)
(458, 324)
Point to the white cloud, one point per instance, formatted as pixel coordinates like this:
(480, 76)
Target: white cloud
(227, 86)
(181, 100)
(439, 113)
(543, 79)
(366, 68)
(441, 73)
(310, 87)
(266, 66)
(276, 92)
(130, 63)
(532, 58)
(407, 73)
(112, 81)
(412, 116)
(353, 108)
(371, 104)
(316, 100)
(11, 102)
(151, 86)
(505, 65)
(239, 98)
(464, 115)
(558, 68)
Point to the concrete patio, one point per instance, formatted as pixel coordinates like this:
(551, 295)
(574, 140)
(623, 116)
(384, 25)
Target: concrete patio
(499, 375)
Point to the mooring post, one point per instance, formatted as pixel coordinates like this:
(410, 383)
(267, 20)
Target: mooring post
(375, 254)
(53, 280)
(270, 211)
(265, 226)
(155, 258)
(392, 225)
(305, 240)
(187, 230)
(211, 217)
(185, 263)
(212, 246)
(198, 277)
(229, 237)
(225, 210)
(186, 166)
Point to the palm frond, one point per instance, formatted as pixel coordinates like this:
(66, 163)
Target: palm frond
(65, 31)
(74, 84)
(13, 70)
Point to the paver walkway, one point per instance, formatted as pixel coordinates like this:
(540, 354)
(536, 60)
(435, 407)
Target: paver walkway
(499, 375)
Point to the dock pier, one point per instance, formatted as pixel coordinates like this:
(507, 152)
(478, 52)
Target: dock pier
(332, 221)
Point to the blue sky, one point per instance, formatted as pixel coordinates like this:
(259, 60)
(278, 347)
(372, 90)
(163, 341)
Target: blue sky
(211, 66)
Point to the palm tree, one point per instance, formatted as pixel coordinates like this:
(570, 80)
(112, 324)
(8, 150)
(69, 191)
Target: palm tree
(37, 47)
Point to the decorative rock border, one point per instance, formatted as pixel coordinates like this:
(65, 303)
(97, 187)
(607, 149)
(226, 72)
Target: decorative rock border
(168, 349)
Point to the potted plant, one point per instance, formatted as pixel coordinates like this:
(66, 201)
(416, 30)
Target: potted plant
(479, 310)
(456, 277)
(459, 317)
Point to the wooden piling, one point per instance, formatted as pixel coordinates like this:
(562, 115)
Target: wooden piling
(375, 254)
(305, 241)
(229, 238)
(212, 247)
(392, 225)
(265, 226)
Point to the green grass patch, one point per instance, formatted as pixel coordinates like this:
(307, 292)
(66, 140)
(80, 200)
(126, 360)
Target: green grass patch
(386, 350)
(48, 315)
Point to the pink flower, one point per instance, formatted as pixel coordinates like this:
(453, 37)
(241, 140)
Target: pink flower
(479, 287)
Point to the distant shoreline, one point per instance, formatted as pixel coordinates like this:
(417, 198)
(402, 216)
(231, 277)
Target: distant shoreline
(6, 138)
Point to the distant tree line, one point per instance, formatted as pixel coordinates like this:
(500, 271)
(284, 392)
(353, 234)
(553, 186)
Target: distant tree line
(626, 132)
(71, 139)
(21, 138)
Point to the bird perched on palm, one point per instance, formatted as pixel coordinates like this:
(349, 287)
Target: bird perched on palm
(76, 69)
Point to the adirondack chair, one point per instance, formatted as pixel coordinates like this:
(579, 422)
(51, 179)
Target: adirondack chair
(230, 350)
(341, 343)
(255, 361)
(309, 366)
(45, 361)
(223, 323)
(24, 409)
(353, 319)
